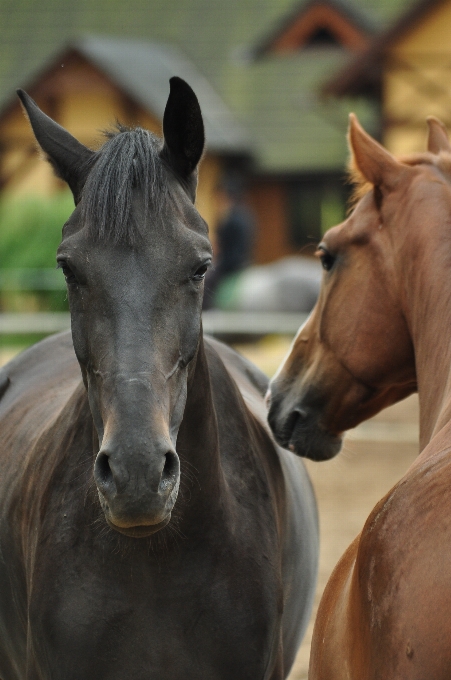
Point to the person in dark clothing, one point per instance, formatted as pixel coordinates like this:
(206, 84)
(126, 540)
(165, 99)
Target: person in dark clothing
(234, 240)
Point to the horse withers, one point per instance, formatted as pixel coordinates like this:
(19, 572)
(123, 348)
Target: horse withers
(379, 332)
(149, 526)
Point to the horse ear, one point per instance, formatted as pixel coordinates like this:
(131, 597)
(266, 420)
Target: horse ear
(184, 136)
(70, 160)
(376, 164)
(438, 139)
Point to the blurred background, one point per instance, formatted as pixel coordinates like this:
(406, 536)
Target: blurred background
(276, 80)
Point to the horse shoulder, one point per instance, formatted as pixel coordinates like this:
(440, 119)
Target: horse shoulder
(385, 611)
(406, 551)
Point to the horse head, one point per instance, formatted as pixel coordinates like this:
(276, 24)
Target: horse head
(134, 254)
(354, 355)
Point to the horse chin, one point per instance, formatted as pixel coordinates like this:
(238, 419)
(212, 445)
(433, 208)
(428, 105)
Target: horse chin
(314, 442)
(140, 531)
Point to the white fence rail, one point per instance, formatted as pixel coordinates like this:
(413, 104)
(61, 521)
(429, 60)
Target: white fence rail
(215, 322)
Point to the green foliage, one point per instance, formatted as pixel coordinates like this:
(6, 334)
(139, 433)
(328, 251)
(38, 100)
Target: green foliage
(30, 232)
(30, 229)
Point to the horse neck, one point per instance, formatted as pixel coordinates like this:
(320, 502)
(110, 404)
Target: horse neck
(198, 444)
(428, 294)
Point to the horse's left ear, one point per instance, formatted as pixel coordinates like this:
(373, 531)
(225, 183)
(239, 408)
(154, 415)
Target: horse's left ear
(184, 136)
(377, 165)
(438, 139)
(70, 159)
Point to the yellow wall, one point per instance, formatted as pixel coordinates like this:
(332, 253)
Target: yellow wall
(417, 81)
(206, 200)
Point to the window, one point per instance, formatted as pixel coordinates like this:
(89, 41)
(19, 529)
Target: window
(322, 37)
(313, 207)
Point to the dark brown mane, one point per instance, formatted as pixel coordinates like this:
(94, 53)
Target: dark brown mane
(130, 158)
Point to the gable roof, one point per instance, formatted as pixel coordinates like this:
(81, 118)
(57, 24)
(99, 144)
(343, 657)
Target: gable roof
(363, 74)
(350, 27)
(142, 70)
(275, 99)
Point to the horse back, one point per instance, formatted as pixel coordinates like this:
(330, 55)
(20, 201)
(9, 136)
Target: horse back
(39, 374)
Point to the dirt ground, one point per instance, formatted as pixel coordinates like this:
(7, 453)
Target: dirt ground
(374, 457)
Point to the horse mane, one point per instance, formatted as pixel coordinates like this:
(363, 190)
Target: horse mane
(361, 186)
(129, 159)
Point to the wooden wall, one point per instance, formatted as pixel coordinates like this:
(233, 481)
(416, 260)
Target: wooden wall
(417, 81)
(267, 199)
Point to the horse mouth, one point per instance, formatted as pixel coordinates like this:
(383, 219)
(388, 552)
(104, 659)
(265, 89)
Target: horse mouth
(302, 434)
(310, 440)
(125, 524)
(140, 531)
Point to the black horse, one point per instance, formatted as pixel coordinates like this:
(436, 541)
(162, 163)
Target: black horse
(149, 526)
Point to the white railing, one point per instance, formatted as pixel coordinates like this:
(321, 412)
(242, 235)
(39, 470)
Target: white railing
(215, 322)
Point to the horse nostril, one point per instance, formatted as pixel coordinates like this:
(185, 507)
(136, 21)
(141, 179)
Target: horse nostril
(301, 413)
(297, 417)
(170, 470)
(102, 470)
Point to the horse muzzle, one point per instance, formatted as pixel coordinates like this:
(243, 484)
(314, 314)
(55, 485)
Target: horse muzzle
(296, 425)
(137, 493)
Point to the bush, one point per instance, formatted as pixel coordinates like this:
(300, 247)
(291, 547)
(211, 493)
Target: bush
(30, 229)
(30, 232)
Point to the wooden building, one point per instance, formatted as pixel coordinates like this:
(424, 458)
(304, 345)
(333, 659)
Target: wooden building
(407, 71)
(258, 69)
(95, 82)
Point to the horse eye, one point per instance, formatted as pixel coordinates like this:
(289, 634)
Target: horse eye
(200, 273)
(69, 275)
(327, 260)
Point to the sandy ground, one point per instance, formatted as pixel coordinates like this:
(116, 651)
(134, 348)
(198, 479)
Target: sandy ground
(373, 459)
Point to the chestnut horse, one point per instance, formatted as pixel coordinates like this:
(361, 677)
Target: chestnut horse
(380, 331)
(150, 528)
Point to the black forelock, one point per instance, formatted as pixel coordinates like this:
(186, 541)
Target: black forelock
(129, 159)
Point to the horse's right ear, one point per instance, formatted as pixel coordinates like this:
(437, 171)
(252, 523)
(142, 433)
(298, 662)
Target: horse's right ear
(184, 136)
(68, 157)
(377, 165)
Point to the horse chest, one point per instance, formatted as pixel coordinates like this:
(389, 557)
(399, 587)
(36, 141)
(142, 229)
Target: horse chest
(196, 615)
